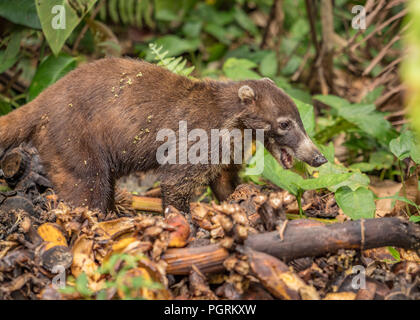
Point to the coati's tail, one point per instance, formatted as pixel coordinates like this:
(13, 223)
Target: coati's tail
(17, 126)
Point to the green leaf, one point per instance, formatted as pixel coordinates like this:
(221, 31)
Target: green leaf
(240, 69)
(406, 145)
(364, 116)
(415, 219)
(245, 21)
(73, 15)
(332, 101)
(307, 115)
(363, 166)
(292, 181)
(357, 204)
(49, 71)
(5, 107)
(268, 66)
(166, 10)
(402, 199)
(22, 12)
(9, 57)
(355, 180)
(328, 151)
(274, 172)
(324, 181)
(371, 96)
(82, 285)
(382, 159)
(67, 290)
(395, 254)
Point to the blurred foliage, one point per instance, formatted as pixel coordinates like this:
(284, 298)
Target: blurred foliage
(411, 65)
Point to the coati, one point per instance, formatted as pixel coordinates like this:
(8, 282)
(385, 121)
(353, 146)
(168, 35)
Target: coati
(100, 122)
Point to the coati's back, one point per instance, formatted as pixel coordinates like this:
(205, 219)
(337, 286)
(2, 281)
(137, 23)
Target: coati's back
(95, 96)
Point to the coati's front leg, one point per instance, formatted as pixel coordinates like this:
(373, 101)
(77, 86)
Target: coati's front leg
(226, 182)
(177, 195)
(180, 182)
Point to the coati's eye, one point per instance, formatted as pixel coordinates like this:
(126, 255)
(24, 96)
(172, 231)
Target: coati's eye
(284, 125)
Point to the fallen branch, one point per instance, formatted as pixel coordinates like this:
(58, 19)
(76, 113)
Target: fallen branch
(302, 238)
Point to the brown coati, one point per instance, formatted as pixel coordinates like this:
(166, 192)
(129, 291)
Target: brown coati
(101, 122)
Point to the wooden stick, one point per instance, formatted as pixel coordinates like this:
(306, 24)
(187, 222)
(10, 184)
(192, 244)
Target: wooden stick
(147, 204)
(302, 240)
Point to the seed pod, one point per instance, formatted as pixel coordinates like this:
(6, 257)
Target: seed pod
(217, 233)
(241, 232)
(179, 237)
(240, 218)
(226, 243)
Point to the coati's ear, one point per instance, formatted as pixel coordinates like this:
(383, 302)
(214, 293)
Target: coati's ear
(246, 94)
(268, 80)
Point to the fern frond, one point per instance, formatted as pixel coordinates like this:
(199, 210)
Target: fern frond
(175, 65)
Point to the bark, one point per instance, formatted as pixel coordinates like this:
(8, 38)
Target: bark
(303, 239)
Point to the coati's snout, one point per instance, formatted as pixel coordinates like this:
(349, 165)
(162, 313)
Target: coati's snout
(302, 149)
(277, 114)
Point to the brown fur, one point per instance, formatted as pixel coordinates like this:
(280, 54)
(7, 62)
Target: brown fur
(85, 127)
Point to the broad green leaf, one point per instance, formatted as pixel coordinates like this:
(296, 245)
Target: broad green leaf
(300, 29)
(406, 145)
(402, 199)
(328, 151)
(340, 125)
(291, 181)
(364, 116)
(49, 15)
(49, 71)
(268, 66)
(354, 181)
(357, 204)
(219, 32)
(307, 115)
(274, 172)
(371, 96)
(245, 21)
(20, 12)
(5, 108)
(299, 94)
(382, 159)
(332, 101)
(192, 29)
(324, 181)
(363, 166)
(240, 69)
(9, 57)
(291, 66)
(167, 10)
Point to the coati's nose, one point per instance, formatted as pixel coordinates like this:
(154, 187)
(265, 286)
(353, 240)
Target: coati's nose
(319, 160)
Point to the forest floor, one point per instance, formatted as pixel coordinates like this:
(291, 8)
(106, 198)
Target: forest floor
(209, 254)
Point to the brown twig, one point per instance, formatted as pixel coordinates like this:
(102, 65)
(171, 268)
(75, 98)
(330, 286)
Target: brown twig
(86, 27)
(304, 240)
